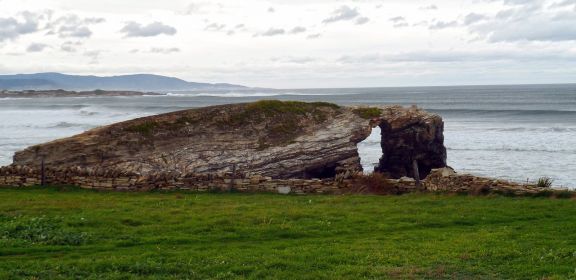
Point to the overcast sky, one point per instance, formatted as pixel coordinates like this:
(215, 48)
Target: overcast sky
(296, 43)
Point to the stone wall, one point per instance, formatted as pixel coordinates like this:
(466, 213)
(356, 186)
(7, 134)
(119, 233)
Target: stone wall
(446, 180)
(439, 180)
(18, 176)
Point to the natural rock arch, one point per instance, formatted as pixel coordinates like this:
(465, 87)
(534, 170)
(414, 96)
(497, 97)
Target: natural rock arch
(271, 138)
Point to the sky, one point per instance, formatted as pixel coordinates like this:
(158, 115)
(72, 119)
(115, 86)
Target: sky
(296, 43)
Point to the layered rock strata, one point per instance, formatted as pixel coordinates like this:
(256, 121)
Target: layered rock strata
(269, 138)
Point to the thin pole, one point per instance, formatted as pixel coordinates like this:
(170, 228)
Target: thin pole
(416, 172)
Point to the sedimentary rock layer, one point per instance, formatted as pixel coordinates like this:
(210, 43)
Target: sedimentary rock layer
(270, 138)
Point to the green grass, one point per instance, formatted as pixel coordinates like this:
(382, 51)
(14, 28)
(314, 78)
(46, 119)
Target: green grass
(67, 233)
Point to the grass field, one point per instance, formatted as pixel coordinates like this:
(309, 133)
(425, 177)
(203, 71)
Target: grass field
(68, 233)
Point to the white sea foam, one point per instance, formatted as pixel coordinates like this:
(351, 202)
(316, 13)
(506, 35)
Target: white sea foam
(244, 94)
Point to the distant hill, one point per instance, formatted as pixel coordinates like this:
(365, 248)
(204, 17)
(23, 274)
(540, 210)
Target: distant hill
(139, 82)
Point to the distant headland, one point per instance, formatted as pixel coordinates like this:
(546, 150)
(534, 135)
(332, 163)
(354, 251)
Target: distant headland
(137, 82)
(66, 93)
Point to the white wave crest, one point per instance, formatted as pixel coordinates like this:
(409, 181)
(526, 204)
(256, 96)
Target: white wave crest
(243, 94)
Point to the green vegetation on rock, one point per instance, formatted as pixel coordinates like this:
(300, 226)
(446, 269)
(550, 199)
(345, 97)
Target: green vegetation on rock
(146, 128)
(545, 182)
(368, 112)
(78, 234)
(283, 120)
(270, 107)
(282, 110)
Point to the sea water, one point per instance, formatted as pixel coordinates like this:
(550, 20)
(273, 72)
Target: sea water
(512, 132)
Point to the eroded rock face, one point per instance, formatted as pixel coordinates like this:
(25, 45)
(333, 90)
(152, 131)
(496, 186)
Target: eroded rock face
(271, 138)
(407, 135)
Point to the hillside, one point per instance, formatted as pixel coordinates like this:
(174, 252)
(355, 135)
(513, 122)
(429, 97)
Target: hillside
(138, 82)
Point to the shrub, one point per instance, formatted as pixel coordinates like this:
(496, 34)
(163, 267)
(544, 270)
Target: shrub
(368, 113)
(544, 182)
(377, 183)
(145, 128)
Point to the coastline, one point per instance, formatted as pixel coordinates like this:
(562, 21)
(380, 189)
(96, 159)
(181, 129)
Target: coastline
(66, 93)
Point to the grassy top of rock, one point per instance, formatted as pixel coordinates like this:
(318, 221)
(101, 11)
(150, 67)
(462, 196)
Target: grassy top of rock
(274, 121)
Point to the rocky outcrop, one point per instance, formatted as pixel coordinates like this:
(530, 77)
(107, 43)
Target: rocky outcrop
(408, 135)
(270, 138)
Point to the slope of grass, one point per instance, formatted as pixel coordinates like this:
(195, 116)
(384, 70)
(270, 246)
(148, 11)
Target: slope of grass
(68, 233)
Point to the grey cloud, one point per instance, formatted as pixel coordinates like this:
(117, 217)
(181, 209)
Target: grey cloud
(215, 27)
(73, 26)
(93, 55)
(564, 3)
(74, 31)
(280, 31)
(362, 20)
(474, 18)
(134, 29)
(164, 50)
(399, 22)
(531, 22)
(456, 56)
(314, 36)
(271, 10)
(273, 32)
(193, 8)
(36, 47)
(443, 25)
(13, 27)
(342, 14)
(70, 46)
(543, 31)
(293, 60)
(298, 29)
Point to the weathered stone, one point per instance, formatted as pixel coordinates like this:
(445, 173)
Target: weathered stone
(270, 138)
(407, 135)
(284, 190)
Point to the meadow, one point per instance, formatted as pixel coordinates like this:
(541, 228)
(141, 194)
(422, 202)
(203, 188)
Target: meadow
(68, 233)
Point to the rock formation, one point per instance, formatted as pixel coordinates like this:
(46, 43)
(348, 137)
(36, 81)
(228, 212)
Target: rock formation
(270, 138)
(409, 135)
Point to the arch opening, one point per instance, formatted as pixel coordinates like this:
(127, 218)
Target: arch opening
(370, 150)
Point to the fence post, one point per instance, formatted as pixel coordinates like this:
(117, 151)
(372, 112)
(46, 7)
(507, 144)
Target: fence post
(416, 172)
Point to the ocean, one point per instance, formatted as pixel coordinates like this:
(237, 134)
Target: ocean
(517, 133)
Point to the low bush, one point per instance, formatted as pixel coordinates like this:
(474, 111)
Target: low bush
(368, 113)
(544, 182)
(377, 183)
(146, 128)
